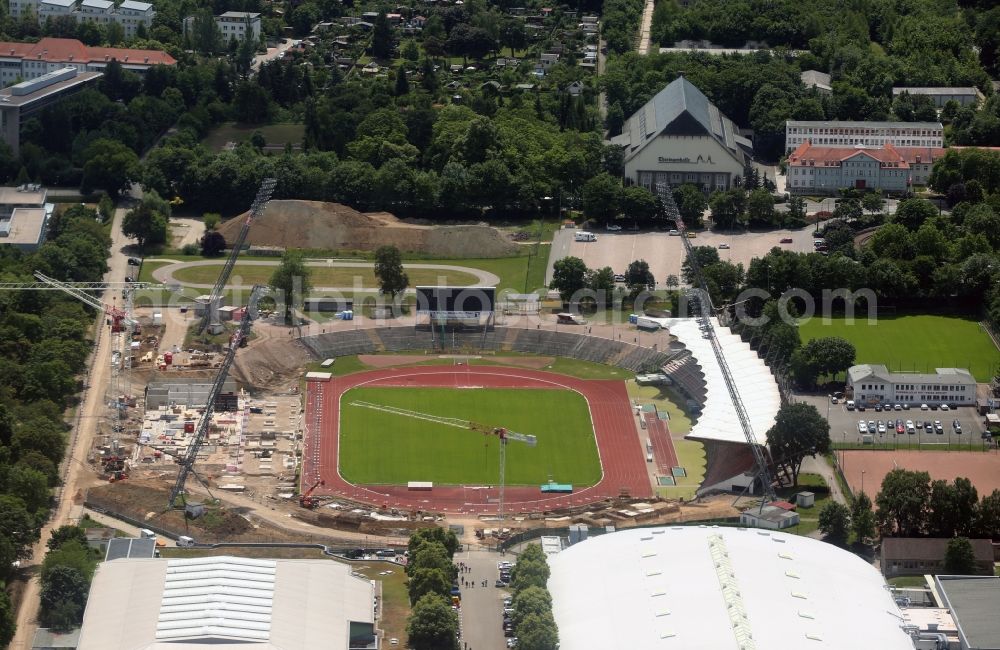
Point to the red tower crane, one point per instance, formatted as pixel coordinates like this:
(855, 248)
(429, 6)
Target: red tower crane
(309, 501)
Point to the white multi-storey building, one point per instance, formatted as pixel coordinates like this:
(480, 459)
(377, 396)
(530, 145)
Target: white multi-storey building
(130, 14)
(874, 384)
(863, 134)
(239, 25)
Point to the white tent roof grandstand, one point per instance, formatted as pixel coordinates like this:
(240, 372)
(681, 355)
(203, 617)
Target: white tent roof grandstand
(712, 588)
(756, 385)
(241, 603)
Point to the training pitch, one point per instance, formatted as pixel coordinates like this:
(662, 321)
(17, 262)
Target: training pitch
(378, 447)
(914, 343)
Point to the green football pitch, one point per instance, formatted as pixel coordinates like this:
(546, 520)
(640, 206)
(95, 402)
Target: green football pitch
(914, 343)
(377, 447)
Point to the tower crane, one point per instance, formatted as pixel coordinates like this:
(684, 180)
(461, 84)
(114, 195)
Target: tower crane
(211, 317)
(186, 461)
(503, 434)
(307, 500)
(120, 321)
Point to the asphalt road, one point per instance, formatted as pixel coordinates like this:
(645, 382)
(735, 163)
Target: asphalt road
(482, 607)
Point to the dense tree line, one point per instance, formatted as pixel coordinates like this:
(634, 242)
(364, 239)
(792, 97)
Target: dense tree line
(431, 572)
(534, 625)
(45, 346)
(910, 504)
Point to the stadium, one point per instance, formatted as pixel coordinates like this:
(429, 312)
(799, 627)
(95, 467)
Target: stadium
(393, 436)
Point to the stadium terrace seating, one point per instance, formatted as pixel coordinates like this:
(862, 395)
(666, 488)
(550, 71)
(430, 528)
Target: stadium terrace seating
(339, 344)
(687, 377)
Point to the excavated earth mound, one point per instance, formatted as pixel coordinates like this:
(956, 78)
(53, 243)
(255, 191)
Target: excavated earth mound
(332, 226)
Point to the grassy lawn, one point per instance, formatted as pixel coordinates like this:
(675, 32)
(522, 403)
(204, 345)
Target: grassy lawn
(584, 369)
(808, 517)
(381, 447)
(274, 134)
(321, 276)
(915, 343)
(907, 581)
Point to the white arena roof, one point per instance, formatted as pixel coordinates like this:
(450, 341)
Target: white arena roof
(242, 603)
(716, 588)
(754, 381)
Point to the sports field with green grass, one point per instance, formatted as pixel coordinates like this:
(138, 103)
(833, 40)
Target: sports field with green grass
(383, 448)
(914, 343)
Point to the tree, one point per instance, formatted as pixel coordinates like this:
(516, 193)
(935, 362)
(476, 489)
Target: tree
(538, 632)
(988, 520)
(835, 521)
(862, 517)
(205, 34)
(602, 196)
(8, 623)
(427, 581)
(64, 596)
(872, 201)
(291, 282)
(30, 485)
(146, 224)
(760, 207)
(514, 35)
(799, 431)
(17, 525)
(431, 554)
(392, 279)
(213, 243)
(952, 508)
(532, 600)
(106, 208)
(529, 572)
(410, 51)
(110, 166)
(432, 625)
(601, 282)
(569, 275)
(959, 558)
(64, 534)
(704, 256)
(912, 213)
(638, 276)
(402, 84)
(382, 37)
(796, 208)
(691, 204)
(903, 503)
(434, 534)
(638, 203)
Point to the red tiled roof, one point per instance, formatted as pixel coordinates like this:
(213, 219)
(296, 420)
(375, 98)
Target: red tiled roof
(807, 155)
(58, 50)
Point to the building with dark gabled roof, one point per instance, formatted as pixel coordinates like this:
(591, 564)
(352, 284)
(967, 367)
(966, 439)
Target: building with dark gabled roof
(917, 556)
(680, 137)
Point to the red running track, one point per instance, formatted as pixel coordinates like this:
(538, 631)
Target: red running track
(622, 460)
(663, 446)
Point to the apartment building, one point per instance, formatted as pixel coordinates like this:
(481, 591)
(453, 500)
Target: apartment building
(239, 25)
(863, 134)
(130, 14)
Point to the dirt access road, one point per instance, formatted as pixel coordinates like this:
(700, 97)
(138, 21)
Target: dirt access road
(77, 475)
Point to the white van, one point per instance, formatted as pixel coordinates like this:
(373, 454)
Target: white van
(583, 235)
(145, 533)
(185, 542)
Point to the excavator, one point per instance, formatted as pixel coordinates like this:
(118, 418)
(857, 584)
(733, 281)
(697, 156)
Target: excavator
(309, 501)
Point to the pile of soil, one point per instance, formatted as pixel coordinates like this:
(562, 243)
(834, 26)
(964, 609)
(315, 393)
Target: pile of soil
(332, 226)
(269, 362)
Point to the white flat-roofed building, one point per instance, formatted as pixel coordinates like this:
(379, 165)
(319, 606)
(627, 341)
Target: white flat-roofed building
(818, 80)
(718, 588)
(239, 603)
(55, 8)
(25, 228)
(863, 134)
(100, 12)
(130, 14)
(873, 383)
(964, 96)
(238, 25)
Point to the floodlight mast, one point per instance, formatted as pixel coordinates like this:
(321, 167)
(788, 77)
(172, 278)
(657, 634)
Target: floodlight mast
(201, 433)
(704, 312)
(504, 435)
(211, 316)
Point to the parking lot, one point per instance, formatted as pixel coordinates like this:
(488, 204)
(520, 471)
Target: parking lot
(844, 424)
(665, 253)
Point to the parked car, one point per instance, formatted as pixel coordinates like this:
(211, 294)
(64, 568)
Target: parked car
(134, 261)
(881, 427)
(786, 240)
(724, 246)
(619, 277)
(957, 426)
(612, 227)
(834, 399)
(878, 408)
(692, 235)
(850, 405)
(674, 233)
(909, 427)
(924, 407)
(928, 426)
(945, 407)
(897, 407)
(871, 426)
(906, 406)
(862, 426)
(937, 427)
(899, 426)
(861, 406)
